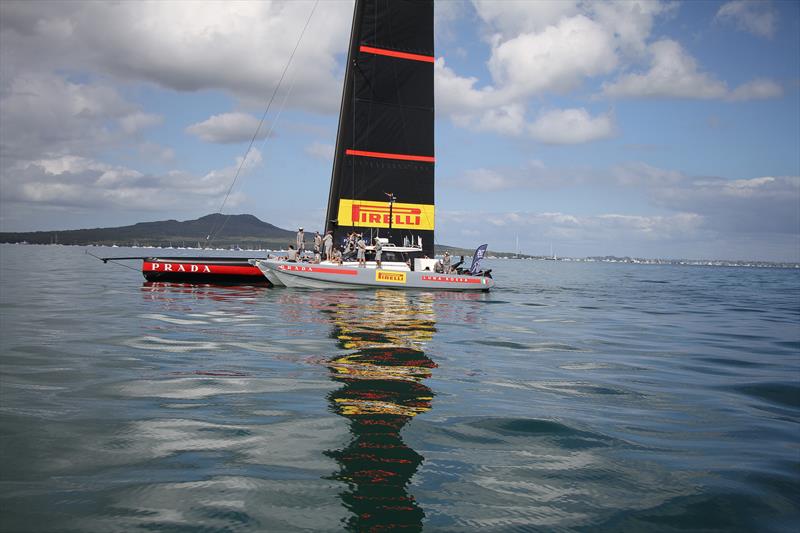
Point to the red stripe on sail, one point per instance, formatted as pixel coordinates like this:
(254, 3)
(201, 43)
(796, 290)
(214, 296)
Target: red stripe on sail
(383, 155)
(394, 53)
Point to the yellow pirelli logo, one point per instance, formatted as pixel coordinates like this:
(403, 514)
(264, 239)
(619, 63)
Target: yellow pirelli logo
(390, 276)
(376, 214)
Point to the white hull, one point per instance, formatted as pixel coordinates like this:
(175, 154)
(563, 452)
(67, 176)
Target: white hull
(298, 282)
(272, 278)
(330, 275)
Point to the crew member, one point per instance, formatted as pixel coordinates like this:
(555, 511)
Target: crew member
(301, 241)
(446, 263)
(327, 241)
(378, 250)
(361, 247)
(317, 246)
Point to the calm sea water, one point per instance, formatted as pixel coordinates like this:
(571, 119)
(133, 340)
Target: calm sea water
(576, 397)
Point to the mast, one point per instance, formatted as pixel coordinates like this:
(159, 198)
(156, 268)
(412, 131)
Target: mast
(384, 140)
(347, 95)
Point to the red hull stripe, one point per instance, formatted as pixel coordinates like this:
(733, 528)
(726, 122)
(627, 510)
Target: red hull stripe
(394, 53)
(382, 155)
(201, 268)
(322, 270)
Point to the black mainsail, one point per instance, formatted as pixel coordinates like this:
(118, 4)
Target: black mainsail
(383, 171)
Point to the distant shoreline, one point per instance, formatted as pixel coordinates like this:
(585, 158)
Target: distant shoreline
(496, 255)
(244, 232)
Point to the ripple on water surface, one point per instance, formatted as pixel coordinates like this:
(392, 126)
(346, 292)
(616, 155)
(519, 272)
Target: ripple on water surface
(576, 397)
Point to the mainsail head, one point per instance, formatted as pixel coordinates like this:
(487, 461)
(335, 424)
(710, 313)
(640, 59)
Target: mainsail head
(385, 145)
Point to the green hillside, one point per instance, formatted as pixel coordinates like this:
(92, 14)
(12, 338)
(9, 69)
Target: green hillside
(228, 230)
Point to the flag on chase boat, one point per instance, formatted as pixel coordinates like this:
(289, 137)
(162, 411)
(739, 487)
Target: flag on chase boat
(477, 258)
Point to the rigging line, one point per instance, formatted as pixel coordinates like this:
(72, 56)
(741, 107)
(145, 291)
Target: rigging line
(366, 79)
(214, 233)
(111, 260)
(269, 134)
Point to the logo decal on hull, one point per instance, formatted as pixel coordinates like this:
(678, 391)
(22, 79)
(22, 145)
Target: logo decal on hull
(319, 270)
(390, 276)
(449, 279)
(178, 267)
(190, 268)
(369, 214)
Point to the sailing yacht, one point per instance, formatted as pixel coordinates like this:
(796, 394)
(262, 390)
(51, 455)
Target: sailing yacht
(382, 184)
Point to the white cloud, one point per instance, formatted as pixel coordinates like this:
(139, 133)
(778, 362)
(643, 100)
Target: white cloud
(729, 207)
(571, 126)
(759, 89)
(73, 181)
(756, 17)
(766, 204)
(228, 128)
(457, 95)
(505, 119)
(483, 179)
(138, 121)
(67, 65)
(236, 46)
(50, 115)
(673, 74)
(154, 151)
(540, 48)
(678, 235)
(641, 174)
(603, 231)
(320, 150)
(510, 18)
(630, 21)
(557, 59)
(544, 47)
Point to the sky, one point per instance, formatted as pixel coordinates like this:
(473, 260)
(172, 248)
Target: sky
(644, 129)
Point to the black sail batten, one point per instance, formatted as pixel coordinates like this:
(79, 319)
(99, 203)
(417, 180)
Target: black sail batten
(385, 139)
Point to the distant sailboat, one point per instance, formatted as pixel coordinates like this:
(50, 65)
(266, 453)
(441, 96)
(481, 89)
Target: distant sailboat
(382, 185)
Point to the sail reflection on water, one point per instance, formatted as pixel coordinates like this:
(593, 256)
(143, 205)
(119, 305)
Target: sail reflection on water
(384, 335)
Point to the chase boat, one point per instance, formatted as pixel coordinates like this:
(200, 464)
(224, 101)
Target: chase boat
(404, 268)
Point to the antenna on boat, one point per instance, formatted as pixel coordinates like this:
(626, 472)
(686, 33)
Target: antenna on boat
(392, 200)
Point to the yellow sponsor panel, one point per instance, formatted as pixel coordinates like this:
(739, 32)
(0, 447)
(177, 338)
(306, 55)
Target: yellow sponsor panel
(376, 215)
(390, 276)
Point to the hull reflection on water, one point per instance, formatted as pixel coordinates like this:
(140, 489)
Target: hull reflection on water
(382, 372)
(167, 291)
